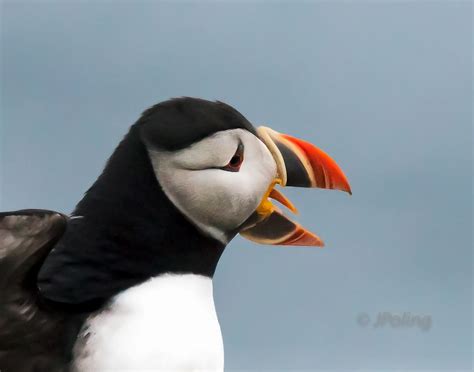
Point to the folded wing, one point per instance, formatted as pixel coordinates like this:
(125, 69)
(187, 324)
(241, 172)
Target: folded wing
(30, 336)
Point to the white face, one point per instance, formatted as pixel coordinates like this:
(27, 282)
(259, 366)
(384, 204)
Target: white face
(216, 198)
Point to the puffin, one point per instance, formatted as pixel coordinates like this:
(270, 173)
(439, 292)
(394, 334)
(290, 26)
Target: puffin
(124, 283)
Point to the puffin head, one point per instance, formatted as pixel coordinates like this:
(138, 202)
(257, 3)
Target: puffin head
(221, 172)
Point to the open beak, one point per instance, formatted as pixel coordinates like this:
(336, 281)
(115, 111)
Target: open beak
(301, 164)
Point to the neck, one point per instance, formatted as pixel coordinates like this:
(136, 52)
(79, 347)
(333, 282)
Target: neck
(126, 232)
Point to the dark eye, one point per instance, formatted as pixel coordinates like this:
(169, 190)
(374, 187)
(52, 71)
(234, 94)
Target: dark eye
(236, 161)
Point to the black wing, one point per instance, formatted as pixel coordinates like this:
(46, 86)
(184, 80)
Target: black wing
(30, 336)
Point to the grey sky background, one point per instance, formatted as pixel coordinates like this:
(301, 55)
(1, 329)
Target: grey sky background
(383, 87)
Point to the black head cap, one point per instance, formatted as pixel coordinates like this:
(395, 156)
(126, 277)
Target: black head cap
(179, 122)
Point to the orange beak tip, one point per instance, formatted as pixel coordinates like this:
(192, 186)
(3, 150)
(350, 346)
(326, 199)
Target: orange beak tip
(319, 244)
(303, 237)
(347, 187)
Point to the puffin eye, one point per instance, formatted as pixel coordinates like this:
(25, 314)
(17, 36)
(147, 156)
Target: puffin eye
(236, 161)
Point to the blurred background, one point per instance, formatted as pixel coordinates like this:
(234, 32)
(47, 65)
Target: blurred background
(384, 87)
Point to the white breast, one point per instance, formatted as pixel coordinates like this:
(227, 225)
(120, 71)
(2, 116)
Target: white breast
(168, 323)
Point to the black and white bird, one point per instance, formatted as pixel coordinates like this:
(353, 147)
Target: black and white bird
(125, 282)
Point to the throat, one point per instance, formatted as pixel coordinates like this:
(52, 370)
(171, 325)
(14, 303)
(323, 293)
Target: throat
(167, 323)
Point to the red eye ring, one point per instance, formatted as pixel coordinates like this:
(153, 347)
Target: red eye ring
(236, 161)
